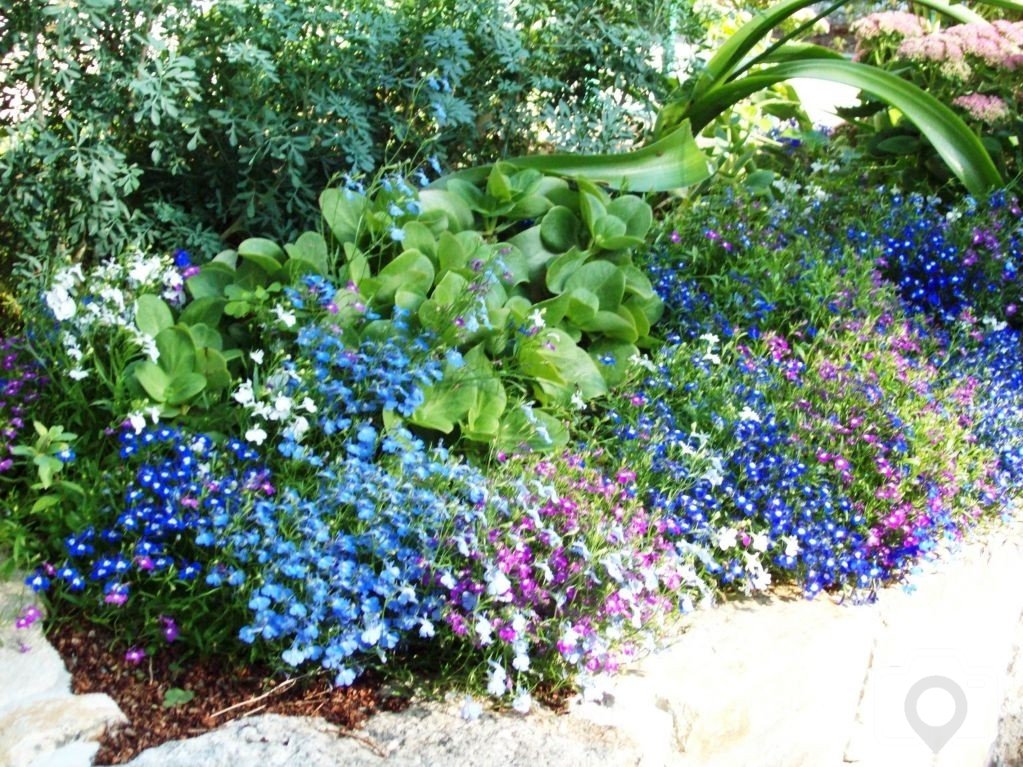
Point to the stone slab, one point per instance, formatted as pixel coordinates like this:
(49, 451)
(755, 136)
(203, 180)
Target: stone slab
(959, 629)
(425, 735)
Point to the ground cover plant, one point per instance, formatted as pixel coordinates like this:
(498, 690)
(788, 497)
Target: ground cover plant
(498, 428)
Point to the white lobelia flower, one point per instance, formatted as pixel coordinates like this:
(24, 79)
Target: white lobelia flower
(144, 270)
(244, 395)
(496, 680)
(748, 414)
(282, 405)
(256, 435)
(577, 400)
(60, 302)
(308, 405)
(137, 421)
(791, 545)
(523, 702)
(726, 538)
(78, 373)
(257, 356)
(537, 318)
(288, 318)
(761, 541)
(471, 709)
(497, 583)
(298, 429)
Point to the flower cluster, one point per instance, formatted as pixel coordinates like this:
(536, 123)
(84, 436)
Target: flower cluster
(996, 367)
(147, 551)
(21, 384)
(998, 45)
(985, 108)
(945, 261)
(570, 574)
(895, 23)
(91, 306)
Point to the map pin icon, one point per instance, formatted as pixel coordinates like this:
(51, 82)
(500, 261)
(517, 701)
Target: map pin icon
(935, 736)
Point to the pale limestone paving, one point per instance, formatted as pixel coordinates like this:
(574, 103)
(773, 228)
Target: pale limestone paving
(961, 623)
(767, 682)
(741, 685)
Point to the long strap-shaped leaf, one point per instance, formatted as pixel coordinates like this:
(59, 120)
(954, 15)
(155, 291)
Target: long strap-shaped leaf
(1009, 5)
(957, 12)
(728, 59)
(957, 145)
(672, 162)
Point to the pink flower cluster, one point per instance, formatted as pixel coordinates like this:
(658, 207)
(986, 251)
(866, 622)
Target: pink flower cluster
(983, 107)
(999, 45)
(895, 23)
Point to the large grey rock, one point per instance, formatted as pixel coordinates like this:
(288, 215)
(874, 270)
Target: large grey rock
(426, 735)
(41, 723)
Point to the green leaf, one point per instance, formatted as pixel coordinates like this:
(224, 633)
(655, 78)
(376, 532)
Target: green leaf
(583, 306)
(410, 270)
(308, 253)
(636, 282)
(958, 13)
(266, 254)
(637, 215)
(617, 324)
(419, 237)
(957, 145)
(730, 58)
(559, 367)
(152, 314)
(563, 267)
(898, 145)
(204, 336)
(559, 229)
(183, 387)
(444, 404)
(343, 211)
(210, 281)
(177, 350)
(203, 311)
(593, 210)
(457, 214)
(602, 278)
(175, 696)
(153, 379)
(212, 365)
(498, 183)
(450, 253)
(483, 421)
(620, 352)
(44, 502)
(451, 287)
(671, 162)
(531, 246)
(538, 431)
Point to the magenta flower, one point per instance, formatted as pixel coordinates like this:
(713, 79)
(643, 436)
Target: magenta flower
(170, 628)
(29, 615)
(134, 655)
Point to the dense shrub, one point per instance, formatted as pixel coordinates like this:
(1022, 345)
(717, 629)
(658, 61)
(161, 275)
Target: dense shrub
(169, 126)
